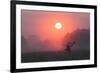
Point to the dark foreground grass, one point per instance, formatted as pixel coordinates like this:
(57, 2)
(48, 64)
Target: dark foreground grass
(55, 56)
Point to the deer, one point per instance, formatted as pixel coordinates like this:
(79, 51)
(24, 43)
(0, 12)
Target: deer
(69, 46)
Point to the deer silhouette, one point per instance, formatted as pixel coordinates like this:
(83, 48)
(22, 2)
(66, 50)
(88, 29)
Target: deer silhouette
(69, 46)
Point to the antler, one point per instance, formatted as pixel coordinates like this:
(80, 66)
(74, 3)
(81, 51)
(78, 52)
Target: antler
(72, 43)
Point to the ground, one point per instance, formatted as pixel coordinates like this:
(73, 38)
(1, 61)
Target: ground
(55, 56)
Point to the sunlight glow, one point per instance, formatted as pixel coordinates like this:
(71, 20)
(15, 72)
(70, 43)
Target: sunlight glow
(58, 25)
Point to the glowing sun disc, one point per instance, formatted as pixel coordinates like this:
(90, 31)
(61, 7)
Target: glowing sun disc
(58, 25)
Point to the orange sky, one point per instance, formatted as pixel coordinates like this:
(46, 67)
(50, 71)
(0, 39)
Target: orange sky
(41, 23)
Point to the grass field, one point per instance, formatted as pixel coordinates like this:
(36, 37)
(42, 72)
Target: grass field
(55, 56)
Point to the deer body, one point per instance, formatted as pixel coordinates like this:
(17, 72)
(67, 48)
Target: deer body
(69, 46)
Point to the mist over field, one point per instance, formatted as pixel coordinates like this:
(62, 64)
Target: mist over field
(54, 35)
(35, 50)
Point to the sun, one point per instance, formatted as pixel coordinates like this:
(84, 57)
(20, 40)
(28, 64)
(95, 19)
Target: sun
(58, 25)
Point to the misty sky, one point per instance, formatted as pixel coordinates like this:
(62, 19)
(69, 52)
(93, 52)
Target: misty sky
(41, 23)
